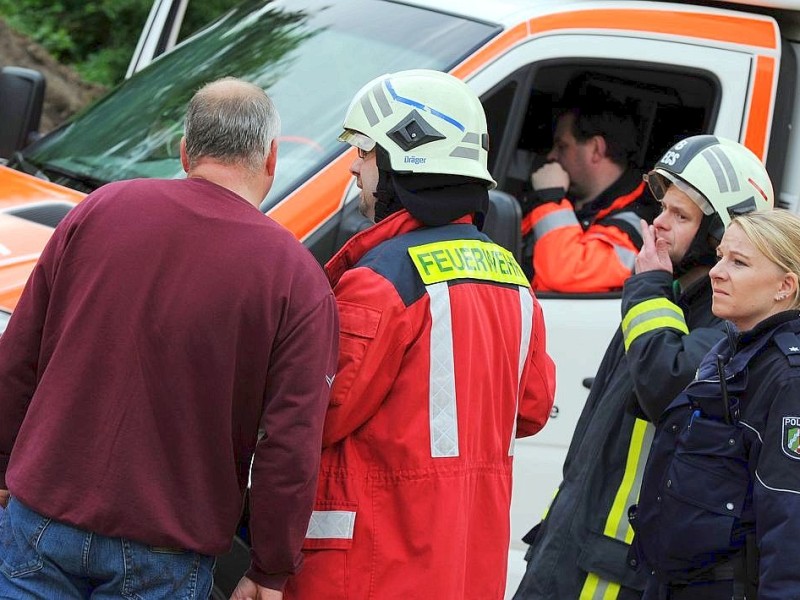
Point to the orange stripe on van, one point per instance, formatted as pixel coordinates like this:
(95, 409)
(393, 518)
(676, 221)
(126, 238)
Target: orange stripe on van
(758, 122)
(497, 46)
(757, 32)
(313, 203)
(710, 26)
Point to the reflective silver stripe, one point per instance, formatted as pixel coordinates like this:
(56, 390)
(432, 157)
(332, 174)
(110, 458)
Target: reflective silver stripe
(442, 399)
(555, 220)
(526, 312)
(471, 138)
(625, 256)
(380, 98)
(369, 112)
(461, 152)
(630, 217)
(730, 172)
(331, 524)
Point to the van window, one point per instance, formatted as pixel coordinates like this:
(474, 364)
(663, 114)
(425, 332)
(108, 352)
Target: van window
(311, 56)
(667, 105)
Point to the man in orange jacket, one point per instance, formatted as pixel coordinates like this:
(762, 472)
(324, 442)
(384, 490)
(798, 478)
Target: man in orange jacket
(442, 362)
(581, 217)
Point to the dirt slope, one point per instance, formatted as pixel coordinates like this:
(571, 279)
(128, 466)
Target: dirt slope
(65, 93)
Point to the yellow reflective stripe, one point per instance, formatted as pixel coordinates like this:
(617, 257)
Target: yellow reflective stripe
(595, 588)
(650, 315)
(466, 259)
(617, 525)
(547, 510)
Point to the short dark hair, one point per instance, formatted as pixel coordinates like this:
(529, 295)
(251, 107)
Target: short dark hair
(599, 114)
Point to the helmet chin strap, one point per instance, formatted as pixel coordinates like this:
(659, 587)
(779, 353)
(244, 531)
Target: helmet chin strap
(703, 249)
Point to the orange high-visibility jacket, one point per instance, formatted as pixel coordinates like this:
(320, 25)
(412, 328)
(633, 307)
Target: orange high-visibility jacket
(595, 249)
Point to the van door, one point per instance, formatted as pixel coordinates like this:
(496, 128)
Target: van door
(736, 54)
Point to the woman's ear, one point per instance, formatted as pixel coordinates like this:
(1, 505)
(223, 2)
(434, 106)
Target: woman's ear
(788, 287)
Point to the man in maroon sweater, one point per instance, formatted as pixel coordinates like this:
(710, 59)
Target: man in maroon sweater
(170, 335)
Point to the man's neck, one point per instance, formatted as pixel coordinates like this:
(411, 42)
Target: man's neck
(605, 176)
(236, 179)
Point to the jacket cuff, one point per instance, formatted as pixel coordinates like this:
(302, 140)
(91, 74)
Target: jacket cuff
(268, 580)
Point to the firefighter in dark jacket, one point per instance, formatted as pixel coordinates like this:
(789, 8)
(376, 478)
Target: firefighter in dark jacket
(719, 515)
(580, 549)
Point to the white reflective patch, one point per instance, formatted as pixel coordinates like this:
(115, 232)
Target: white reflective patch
(331, 524)
(442, 399)
(526, 312)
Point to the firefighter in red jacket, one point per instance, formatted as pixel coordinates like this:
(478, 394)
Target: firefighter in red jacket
(581, 217)
(442, 362)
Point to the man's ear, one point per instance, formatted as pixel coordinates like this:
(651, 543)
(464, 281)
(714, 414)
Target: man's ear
(184, 158)
(272, 158)
(599, 147)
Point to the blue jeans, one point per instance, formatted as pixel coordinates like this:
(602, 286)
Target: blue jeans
(42, 559)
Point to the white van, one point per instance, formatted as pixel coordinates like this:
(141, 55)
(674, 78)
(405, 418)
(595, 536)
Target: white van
(683, 67)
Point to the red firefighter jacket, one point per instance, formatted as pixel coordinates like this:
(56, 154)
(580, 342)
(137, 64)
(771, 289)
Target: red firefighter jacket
(442, 364)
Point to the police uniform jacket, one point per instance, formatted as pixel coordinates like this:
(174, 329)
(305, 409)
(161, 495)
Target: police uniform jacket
(717, 475)
(442, 364)
(580, 548)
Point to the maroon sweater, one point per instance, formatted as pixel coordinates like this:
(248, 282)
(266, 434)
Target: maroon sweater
(170, 331)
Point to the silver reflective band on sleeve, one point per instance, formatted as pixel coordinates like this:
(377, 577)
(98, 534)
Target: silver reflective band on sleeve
(442, 399)
(625, 256)
(526, 312)
(630, 217)
(651, 315)
(331, 524)
(555, 220)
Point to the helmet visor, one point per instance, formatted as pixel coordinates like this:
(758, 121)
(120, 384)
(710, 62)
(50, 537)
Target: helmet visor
(659, 181)
(359, 140)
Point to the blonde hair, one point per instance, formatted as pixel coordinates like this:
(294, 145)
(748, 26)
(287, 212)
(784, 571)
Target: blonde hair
(776, 234)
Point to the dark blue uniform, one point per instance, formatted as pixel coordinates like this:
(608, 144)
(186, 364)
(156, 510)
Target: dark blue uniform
(721, 489)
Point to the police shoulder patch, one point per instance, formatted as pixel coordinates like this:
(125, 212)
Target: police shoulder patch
(789, 344)
(790, 443)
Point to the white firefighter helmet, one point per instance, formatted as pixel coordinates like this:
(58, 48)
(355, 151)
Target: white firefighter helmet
(427, 121)
(723, 176)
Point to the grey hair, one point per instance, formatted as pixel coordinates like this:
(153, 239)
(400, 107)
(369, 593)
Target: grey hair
(232, 121)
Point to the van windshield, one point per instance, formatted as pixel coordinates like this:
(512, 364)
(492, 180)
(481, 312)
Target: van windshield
(311, 56)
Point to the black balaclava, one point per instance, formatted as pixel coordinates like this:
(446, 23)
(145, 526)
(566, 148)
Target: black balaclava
(703, 249)
(430, 198)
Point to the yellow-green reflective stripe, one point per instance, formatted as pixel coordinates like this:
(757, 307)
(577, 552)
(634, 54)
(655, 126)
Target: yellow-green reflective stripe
(547, 510)
(595, 588)
(617, 525)
(466, 259)
(650, 315)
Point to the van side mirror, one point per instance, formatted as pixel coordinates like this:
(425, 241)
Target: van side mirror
(21, 101)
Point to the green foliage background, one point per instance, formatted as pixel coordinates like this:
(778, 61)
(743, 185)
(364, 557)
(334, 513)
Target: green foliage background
(96, 37)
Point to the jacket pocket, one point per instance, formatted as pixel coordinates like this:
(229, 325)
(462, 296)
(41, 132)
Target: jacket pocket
(20, 531)
(358, 325)
(703, 495)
